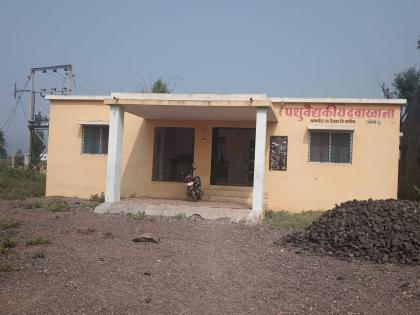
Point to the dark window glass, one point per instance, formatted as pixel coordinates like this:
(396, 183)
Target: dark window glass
(330, 147)
(319, 147)
(173, 153)
(340, 147)
(95, 139)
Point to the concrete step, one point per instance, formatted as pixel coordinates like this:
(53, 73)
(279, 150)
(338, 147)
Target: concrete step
(223, 187)
(229, 191)
(174, 208)
(241, 200)
(234, 194)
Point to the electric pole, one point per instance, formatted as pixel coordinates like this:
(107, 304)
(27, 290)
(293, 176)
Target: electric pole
(32, 125)
(14, 127)
(69, 71)
(30, 117)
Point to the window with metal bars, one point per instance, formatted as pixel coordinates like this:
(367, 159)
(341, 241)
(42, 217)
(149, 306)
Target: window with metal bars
(95, 139)
(173, 153)
(330, 147)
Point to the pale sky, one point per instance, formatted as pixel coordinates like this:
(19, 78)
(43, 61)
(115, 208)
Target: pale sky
(280, 48)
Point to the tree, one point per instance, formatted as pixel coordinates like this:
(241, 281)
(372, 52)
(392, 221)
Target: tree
(406, 83)
(38, 147)
(159, 86)
(3, 152)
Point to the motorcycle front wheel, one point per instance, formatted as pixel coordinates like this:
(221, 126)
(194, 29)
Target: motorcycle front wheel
(195, 195)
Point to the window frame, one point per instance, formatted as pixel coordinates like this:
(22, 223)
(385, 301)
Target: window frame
(102, 127)
(330, 132)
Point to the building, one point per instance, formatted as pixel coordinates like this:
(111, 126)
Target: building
(409, 171)
(275, 153)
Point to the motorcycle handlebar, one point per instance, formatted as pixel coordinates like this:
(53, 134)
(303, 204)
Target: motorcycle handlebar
(190, 171)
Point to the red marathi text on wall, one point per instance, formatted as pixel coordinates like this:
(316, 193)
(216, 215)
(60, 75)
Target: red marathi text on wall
(332, 110)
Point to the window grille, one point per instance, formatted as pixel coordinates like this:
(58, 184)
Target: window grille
(95, 139)
(330, 147)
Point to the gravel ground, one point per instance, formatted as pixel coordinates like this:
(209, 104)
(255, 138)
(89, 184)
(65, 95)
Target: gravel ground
(199, 267)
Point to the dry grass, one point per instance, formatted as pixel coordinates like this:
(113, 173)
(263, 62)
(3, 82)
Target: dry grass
(138, 216)
(37, 241)
(33, 205)
(289, 220)
(21, 183)
(39, 255)
(57, 205)
(8, 223)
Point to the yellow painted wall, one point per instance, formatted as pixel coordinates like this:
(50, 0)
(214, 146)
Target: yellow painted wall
(304, 186)
(311, 186)
(70, 173)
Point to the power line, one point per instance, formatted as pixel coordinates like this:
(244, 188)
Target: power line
(6, 123)
(13, 110)
(23, 110)
(91, 84)
(76, 89)
(84, 87)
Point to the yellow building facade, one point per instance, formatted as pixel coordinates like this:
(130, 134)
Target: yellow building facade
(290, 154)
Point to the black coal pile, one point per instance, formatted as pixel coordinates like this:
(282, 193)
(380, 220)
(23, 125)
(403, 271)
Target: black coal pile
(377, 230)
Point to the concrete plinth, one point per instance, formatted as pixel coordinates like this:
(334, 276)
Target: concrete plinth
(170, 208)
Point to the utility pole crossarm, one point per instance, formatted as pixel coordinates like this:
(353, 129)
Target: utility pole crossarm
(52, 68)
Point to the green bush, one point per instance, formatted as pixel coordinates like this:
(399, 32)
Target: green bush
(138, 216)
(57, 205)
(18, 183)
(33, 205)
(8, 223)
(5, 243)
(38, 255)
(37, 241)
(288, 220)
(97, 198)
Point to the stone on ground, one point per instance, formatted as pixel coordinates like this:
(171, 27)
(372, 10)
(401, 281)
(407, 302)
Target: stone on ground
(381, 231)
(147, 238)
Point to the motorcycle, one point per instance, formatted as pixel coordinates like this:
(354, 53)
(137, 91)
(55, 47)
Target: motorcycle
(192, 184)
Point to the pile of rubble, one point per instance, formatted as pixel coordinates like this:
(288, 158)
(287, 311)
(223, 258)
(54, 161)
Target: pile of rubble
(377, 230)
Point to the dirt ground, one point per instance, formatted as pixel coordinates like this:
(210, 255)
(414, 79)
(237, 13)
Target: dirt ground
(92, 266)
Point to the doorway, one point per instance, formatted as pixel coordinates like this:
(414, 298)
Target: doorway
(233, 152)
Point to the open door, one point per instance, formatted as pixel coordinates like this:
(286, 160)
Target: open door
(233, 156)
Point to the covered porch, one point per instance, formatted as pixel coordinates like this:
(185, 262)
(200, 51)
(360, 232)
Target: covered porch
(252, 110)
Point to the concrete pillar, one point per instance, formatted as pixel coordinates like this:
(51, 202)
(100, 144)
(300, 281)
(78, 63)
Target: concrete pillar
(257, 212)
(113, 173)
